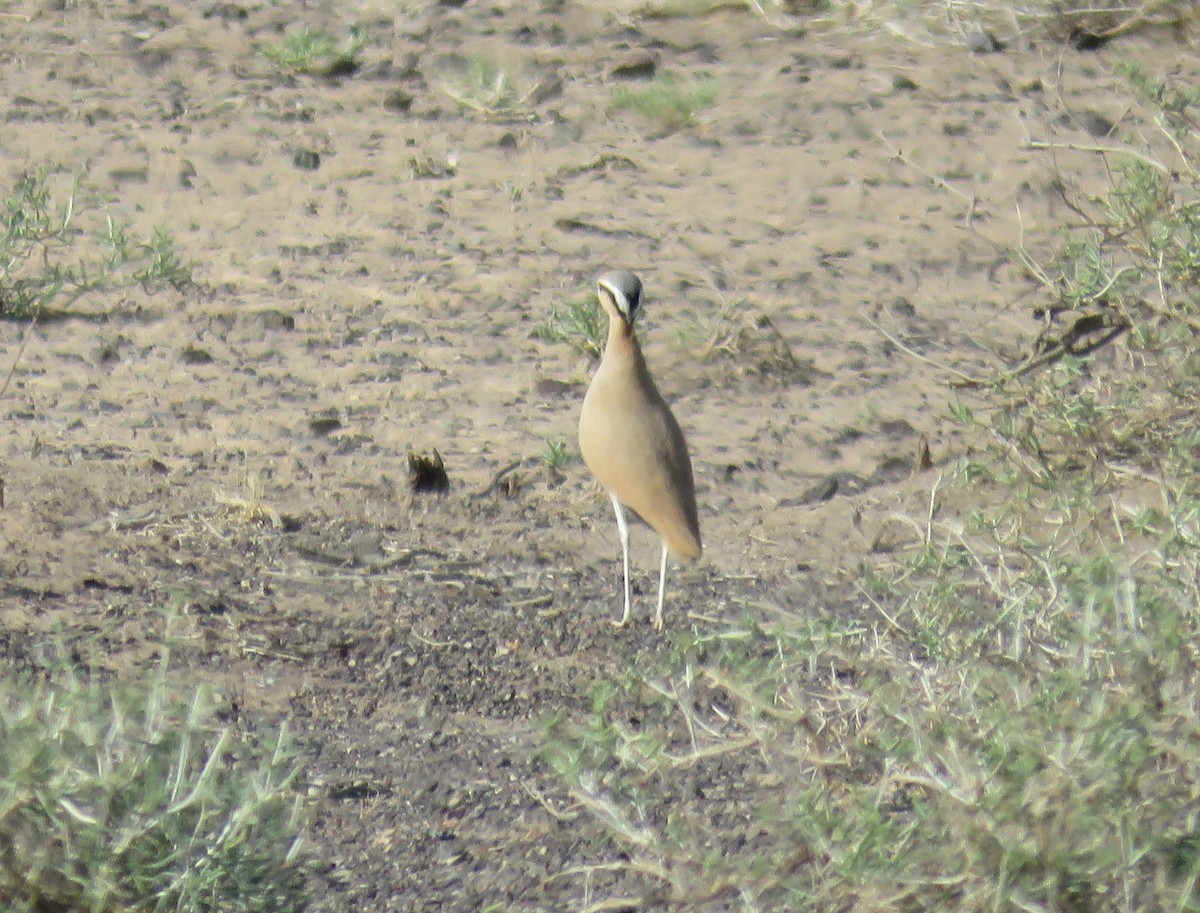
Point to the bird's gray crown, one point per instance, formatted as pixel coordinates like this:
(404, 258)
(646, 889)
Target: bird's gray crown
(626, 289)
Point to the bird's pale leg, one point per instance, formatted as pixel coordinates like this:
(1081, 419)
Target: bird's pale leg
(623, 531)
(662, 590)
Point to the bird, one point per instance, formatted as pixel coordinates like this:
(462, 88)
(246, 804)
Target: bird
(630, 441)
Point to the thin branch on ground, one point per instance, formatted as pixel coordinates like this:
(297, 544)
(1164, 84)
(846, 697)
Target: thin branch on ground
(897, 155)
(1042, 145)
(966, 379)
(17, 358)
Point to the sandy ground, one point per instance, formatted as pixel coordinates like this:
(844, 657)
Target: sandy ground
(842, 189)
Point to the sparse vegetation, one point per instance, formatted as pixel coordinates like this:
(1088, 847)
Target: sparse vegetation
(54, 250)
(746, 340)
(581, 323)
(966, 21)
(669, 103)
(315, 52)
(483, 86)
(687, 9)
(161, 262)
(1007, 718)
(130, 795)
(252, 509)
(1001, 717)
(555, 454)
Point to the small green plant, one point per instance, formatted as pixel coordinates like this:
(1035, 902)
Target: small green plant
(318, 53)
(554, 454)
(481, 85)
(54, 250)
(669, 103)
(717, 331)
(163, 263)
(581, 323)
(128, 794)
(1130, 272)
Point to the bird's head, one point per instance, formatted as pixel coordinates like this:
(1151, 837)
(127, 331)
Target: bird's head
(620, 294)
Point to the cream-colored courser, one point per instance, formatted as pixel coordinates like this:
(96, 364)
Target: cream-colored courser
(631, 442)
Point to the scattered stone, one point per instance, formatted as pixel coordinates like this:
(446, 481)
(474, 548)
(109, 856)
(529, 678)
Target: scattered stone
(108, 349)
(1096, 124)
(132, 175)
(924, 458)
(195, 355)
(426, 166)
(351, 443)
(579, 226)
(158, 467)
(897, 428)
(427, 474)
(1085, 40)
(269, 319)
(398, 101)
(228, 12)
(549, 387)
(984, 42)
(324, 423)
(640, 66)
(822, 491)
(187, 172)
(174, 104)
(338, 247)
(150, 60)
(892, 469)
(341, 65)
(307, 160)
(546, 89)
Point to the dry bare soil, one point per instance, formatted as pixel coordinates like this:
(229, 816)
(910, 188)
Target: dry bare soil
(233, 456)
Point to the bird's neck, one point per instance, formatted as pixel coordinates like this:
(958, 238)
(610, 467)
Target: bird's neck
(622, 343)
(619, 329)
(623, 347)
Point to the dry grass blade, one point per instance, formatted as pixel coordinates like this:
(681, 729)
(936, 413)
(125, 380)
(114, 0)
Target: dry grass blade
(12, 368)
(964, 379)
(490, 89)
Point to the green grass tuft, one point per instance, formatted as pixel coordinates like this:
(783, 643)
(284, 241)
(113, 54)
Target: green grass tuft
(129, 794)
(555, 453)
(316, 52)
(481, 85)
(581, 323)
(668, 103)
